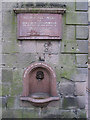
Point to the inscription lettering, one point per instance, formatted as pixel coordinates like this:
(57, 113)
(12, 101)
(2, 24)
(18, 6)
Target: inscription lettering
(39, 26)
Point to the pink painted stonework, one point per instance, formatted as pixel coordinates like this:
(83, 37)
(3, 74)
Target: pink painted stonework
(39, 26)
(39, 84)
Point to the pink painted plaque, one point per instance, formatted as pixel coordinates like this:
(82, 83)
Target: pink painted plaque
(39, 26)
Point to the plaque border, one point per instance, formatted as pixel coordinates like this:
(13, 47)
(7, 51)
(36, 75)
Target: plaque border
(38, 10)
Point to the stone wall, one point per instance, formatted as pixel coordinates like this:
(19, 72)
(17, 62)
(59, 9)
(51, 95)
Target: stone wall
(68, 58)
(89, 62)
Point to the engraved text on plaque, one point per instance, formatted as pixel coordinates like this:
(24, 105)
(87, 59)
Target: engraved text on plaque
(39, 26)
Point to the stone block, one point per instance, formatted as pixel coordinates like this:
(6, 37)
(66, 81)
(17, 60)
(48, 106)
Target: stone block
(10, 102)
(77, 18)
(9, 26)
(1, 75)
(27, 47)
(88, 114)
(10, 47)
(67, 73)
(89, 14)
(79, 46)
(9, 60)
(52, 59)
(31, 113)
(0, 89)
(81, 60)
(69, 47)
(81, 101)
(11, 113)
(82, 32)
(81, 74)
(69, 103)
(48, 47)
(66, 88)
(4, 101)
(28, 4)
(6, 89)
(82, 6)
(89, 99)
(68, 60)
(24, 60)
(68, 114)
(17, 75)
(82, 46)
(80, 88)
(57, 71)
(7, 114)
(7, 6)
(7, 75)
(68, 33)
(56, 104)
(16, 89)
(55, 4)
(62, 114)
(71, 6)
(1, 102)
(0, 59)
(18, 60)
(82, 114)
(50, 112)
(74, 74)
(1, 48)
(17, 83)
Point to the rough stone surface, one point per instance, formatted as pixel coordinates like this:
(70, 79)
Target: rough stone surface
(69, 47)
(89, 14)
(62, 114)
(50, 112)
(7, 75)
(69, 102)
(80, 88)
(68, 57)
(6, 89)
(82, 6)
(17, 60)
(82, 46)
(4, 102)
(69, 33)
(78, 18)
(81, 101)
(81, 114)
(68, 114)
(72, 74)
(71, 6)
(28, 47)
(79, 46)
(66, 89)
(81, 60)
(9, 47)
(82, 32)
(39, 46)
(16, 89)
(11, 113)
(10, 102)
(68, 60)
(81, 74)
(52, 59)
(50, 47)
(30, 113)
